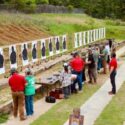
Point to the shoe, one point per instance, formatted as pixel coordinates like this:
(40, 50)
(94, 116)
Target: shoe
(111, 93)
(89, 81)
(80, 91)
(22, 119)
(15, 116)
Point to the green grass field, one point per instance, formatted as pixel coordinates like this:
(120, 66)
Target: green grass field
(61, 111)
(58, 24)
(3, 118)
(114, 113)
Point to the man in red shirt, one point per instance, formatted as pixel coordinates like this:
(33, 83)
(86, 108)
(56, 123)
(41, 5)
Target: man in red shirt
(17, 84)
(113, 68)
(77, 66)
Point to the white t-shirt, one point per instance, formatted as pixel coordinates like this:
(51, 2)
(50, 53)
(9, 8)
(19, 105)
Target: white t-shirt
(108, 49)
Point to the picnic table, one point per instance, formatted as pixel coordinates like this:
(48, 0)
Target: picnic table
(50, 83)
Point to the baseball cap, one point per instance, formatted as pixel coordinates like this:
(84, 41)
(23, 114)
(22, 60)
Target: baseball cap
(65, 64)
(28, 70)
(13, 70)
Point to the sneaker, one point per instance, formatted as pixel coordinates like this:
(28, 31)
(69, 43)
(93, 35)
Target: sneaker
(22, 119)
(80, 91)
(111, 93)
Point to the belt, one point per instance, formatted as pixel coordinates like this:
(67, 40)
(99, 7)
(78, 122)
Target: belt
(17, 91)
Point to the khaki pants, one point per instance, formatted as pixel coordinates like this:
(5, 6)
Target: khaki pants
(18, 104)
(92, 74)
(104, 64)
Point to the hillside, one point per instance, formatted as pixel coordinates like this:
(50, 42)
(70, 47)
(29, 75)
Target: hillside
(21, 27)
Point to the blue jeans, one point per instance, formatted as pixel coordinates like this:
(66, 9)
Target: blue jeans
(29, 105)
(78, 80)
(99, 63)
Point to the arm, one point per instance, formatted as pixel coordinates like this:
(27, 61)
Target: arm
(61, 77)
(70, 120)
(111, 69)
(89, 62)
(101, 54)
(9, 82)
(25, 82)
(70, 64)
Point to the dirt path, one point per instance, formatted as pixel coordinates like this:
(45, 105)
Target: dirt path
(96, 104)
(89, 109)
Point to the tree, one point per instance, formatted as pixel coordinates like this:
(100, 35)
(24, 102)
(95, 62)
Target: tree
(42, 2)
(19, 4)
(2, 1)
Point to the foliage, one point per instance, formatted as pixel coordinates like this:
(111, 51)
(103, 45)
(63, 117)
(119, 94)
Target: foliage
(42, 2)
(19, 4)
(3, 118)
(70, 8)
(95, 8)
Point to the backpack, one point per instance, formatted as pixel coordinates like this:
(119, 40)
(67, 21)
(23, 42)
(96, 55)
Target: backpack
(50, 99)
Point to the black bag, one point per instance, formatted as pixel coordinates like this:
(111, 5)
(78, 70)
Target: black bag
(50, 99)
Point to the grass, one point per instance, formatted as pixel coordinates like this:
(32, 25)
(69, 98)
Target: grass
(58, 24)
(114, 113)
(60, 112)
(3, 118)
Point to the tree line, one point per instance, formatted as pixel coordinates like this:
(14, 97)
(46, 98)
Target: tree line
(95, 8)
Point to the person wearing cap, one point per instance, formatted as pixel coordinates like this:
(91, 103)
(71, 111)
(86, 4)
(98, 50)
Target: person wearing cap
(17, 84)
(29, 92)
(113, 70)
(77, 65)
(66, 80)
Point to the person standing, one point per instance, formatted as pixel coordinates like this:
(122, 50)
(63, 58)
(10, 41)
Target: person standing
(29, 92)
(92, 71)
(84, 69)
(113, 68)
(66, 81)
(110, 43)
(104, 56)
(108, 50)
(96, 56)
(77, 66)
(17, 85)
(100, 58)
(113, 51)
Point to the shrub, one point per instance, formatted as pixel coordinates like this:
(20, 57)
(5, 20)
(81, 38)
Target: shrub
(70, 8)
(29, 8)
(42, 2)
